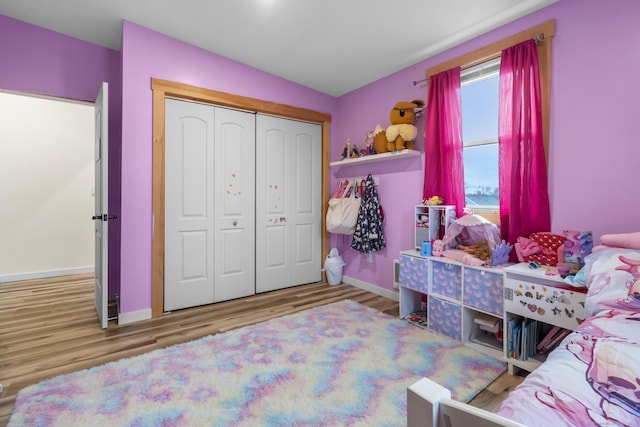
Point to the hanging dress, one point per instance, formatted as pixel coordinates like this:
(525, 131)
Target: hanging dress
(368, 235)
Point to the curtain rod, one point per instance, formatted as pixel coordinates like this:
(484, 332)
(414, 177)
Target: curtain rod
(538, 39)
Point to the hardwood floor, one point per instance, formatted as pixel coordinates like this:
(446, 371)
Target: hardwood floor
(49, 327)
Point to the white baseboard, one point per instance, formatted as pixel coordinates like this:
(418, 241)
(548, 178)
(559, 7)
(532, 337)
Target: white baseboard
(134, 316)
(44, 274)
(392, 295)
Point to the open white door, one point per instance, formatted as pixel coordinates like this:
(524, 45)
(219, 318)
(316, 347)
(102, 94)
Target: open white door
(101, 216)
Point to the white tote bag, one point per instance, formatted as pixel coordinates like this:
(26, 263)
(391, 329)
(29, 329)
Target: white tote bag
(343, 211)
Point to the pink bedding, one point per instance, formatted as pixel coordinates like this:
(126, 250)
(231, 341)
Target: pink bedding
(604, 350)
(593, 377)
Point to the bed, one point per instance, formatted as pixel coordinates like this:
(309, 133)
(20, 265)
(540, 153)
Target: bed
(591, 378)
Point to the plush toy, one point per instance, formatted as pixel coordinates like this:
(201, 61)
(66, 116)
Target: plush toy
(473, 261)
(379, 140)
(433, 201)
(482, 250)
(438, 248)
(454, 254)
(401, 133)
(501, 253)
(464, 257)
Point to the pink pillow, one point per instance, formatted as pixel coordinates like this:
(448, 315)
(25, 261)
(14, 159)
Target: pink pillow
(609, 282)
(623, 240)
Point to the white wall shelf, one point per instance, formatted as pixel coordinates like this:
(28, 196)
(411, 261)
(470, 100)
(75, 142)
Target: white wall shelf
(391, 155)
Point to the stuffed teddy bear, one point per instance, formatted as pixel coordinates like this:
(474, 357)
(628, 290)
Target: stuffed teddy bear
(401, 133)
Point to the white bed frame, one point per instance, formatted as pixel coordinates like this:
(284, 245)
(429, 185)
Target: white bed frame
(430, 405)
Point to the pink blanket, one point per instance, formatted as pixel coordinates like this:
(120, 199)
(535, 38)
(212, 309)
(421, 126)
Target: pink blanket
(590, 379)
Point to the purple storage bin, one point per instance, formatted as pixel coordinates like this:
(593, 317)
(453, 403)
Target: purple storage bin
(413, 273)
(483, 290)
(445, 318)
(447, 279)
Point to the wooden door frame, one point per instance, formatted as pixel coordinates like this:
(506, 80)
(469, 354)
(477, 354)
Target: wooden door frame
(163, 89)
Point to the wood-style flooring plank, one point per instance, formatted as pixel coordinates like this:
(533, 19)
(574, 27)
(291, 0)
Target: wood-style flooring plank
(49, 327)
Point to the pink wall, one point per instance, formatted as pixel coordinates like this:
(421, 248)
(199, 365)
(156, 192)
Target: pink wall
(39, 61)
(147, 54)
(594, 142)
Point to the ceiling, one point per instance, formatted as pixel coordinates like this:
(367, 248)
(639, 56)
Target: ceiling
(333, 46)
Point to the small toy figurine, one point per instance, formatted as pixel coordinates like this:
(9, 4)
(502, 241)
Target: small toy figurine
(346, 153)
(354, 152)
(369, 143)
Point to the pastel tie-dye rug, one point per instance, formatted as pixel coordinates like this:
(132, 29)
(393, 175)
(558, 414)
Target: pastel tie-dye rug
(335, 365)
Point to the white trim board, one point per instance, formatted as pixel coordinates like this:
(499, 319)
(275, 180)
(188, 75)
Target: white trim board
(392, 295)
(45, 274)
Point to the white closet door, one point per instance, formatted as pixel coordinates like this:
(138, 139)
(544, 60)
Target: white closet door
(288, 203)
(189, 201)
(234, 204)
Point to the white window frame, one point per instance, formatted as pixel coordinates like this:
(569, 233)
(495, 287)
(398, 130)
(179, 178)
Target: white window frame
(469, 76)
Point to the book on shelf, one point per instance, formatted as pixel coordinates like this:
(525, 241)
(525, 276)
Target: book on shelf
(552, 332)
(552, 343)
(517, 333)
(418, 318)
(528, 337)
(487, 323)
(512, 336)
(522, 340)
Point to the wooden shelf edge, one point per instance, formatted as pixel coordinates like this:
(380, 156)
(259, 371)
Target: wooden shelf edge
(391, 155)
(487, 349)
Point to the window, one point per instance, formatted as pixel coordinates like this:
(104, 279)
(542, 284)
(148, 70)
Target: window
(479, 94)
(481, 55)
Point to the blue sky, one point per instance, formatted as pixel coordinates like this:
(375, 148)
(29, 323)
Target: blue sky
(480, 121)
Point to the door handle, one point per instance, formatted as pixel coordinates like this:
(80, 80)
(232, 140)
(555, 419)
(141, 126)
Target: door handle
(104, 217)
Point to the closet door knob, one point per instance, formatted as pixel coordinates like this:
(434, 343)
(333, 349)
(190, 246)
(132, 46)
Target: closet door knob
(235, 223)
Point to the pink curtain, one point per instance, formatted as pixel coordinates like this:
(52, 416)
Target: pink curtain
(443, 171)
(524, 198)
